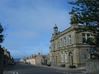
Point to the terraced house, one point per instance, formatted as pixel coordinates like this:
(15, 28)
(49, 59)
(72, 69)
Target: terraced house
(69, 47)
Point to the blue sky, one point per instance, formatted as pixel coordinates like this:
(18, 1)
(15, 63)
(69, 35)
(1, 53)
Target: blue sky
(28, 24)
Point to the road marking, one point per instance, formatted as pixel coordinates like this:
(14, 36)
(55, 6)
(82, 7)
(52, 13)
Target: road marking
(10, 72)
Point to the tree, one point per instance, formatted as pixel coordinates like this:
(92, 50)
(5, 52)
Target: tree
(86, 12)
(1, 50)
(1, 35)
(74, 19)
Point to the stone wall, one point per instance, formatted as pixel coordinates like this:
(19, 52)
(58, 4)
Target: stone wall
(92, 66)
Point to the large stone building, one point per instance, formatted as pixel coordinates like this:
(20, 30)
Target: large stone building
(69, 47)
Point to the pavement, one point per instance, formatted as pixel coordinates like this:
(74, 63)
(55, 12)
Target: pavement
(32, 69)
(64, 68)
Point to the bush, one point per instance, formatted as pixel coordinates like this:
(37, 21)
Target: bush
(48, 64)
(72, 66)
(62, 65)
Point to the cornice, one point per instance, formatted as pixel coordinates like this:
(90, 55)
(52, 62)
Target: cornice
(63, 33)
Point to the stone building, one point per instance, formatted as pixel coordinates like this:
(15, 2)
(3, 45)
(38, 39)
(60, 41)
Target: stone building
(30, 60)
(69, 47)
(36, 59)
(8, 59)
(5, 59)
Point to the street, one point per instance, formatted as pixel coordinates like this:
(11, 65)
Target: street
(30, 69)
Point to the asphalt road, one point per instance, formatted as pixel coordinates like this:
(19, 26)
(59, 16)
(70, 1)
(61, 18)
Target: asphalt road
(29, 69)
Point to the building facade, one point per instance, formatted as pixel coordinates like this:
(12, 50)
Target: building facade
(8, 59)
(69, 47)
(36, 59)
(30, 60)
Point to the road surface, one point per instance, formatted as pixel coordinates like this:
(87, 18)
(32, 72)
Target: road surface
(30, 69)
